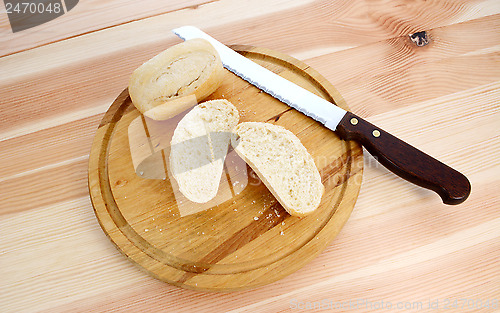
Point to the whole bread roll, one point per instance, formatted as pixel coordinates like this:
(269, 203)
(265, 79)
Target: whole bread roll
(282, 163)
(177, 78)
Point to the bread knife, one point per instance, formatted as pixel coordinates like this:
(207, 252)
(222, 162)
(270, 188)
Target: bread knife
(398, 156)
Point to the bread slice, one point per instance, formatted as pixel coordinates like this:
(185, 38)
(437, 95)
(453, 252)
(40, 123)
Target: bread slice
(199, 147)
(282, 163)
(190, 68)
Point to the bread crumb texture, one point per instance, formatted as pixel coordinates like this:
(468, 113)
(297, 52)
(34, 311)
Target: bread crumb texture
(282, 163)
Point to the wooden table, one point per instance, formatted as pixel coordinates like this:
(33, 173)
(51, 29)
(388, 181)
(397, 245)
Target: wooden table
(401, 248)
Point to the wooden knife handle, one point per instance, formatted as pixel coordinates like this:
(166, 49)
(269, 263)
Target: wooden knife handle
(405, 160)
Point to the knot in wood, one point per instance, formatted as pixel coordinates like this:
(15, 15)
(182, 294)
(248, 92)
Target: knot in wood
(420, 38)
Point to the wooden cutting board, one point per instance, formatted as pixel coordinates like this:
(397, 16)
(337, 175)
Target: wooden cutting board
(243, 238)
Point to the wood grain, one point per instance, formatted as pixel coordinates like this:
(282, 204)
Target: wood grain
(366, 21)
(86, 17)
(241, 240)
(400, 243)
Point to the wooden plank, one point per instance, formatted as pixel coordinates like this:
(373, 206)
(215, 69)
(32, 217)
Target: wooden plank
(61, 182)
(41, 149)
(86, 17)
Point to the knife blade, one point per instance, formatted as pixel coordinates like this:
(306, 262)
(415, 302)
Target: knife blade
(398, 156)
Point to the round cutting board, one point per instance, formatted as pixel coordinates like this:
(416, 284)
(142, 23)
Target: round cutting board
(243, 238)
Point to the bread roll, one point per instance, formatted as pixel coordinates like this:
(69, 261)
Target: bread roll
(199, 147)
(282, 163)
(187, 73)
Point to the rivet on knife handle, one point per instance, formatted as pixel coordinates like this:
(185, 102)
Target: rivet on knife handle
(405, 160)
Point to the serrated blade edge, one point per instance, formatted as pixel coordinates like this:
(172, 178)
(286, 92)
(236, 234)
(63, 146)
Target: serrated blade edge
(282, 89)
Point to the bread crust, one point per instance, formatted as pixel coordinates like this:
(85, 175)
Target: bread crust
(190, 68)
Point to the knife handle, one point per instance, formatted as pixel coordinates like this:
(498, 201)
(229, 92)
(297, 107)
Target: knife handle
(405, 160)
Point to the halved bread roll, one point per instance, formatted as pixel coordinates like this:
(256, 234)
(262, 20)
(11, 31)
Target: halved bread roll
(282, 163)
(187, 73)
(199, 147)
